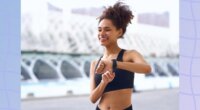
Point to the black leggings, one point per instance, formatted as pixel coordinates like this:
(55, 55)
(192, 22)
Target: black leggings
(128, 108)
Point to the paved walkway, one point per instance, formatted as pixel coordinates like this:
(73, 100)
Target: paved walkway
(148, 100)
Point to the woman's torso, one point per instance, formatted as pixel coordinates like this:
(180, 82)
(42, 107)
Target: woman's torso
(117, 94)
(116, 100)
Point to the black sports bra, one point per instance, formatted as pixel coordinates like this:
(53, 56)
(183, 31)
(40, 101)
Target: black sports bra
(123, 78)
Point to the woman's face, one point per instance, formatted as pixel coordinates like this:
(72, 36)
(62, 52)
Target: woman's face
(107, 32)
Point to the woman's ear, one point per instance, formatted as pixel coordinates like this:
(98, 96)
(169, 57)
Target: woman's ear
(120, 32)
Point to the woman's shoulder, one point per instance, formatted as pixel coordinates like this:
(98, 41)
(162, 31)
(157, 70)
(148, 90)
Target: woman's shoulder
(95, 61)
(131, 55)
(132, 51)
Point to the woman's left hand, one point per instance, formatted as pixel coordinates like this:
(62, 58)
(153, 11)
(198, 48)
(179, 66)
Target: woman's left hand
(104, 65)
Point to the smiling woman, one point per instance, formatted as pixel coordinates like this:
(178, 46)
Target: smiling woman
(112, 76)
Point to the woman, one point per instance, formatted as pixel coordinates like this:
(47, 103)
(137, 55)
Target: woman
(113, 74)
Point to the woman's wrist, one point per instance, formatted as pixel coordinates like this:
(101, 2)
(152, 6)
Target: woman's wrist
(104, 82)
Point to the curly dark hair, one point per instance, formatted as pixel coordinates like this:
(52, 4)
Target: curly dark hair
(119, 14)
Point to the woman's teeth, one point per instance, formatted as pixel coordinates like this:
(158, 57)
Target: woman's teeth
(105, 37)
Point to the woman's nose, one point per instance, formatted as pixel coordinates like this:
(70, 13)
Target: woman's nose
(101, 33)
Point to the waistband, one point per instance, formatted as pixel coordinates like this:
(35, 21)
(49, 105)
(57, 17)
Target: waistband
(128, 108)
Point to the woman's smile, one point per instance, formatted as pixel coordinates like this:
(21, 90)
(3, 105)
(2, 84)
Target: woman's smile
(103, 38)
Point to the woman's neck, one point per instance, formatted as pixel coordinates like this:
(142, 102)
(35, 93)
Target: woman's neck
(111, 51)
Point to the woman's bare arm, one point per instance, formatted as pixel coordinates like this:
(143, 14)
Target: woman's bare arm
(137, 64)
(96, 92)
(134, 62)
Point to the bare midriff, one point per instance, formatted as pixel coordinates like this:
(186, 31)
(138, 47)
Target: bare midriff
(116, 100)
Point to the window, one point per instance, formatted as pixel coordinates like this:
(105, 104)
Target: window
(69, 71)
(44, 71)
(24, 74)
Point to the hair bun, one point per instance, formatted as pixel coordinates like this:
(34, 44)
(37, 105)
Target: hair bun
(119, 13)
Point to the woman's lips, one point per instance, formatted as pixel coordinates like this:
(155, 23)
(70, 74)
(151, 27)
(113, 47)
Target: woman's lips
(103, 39)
